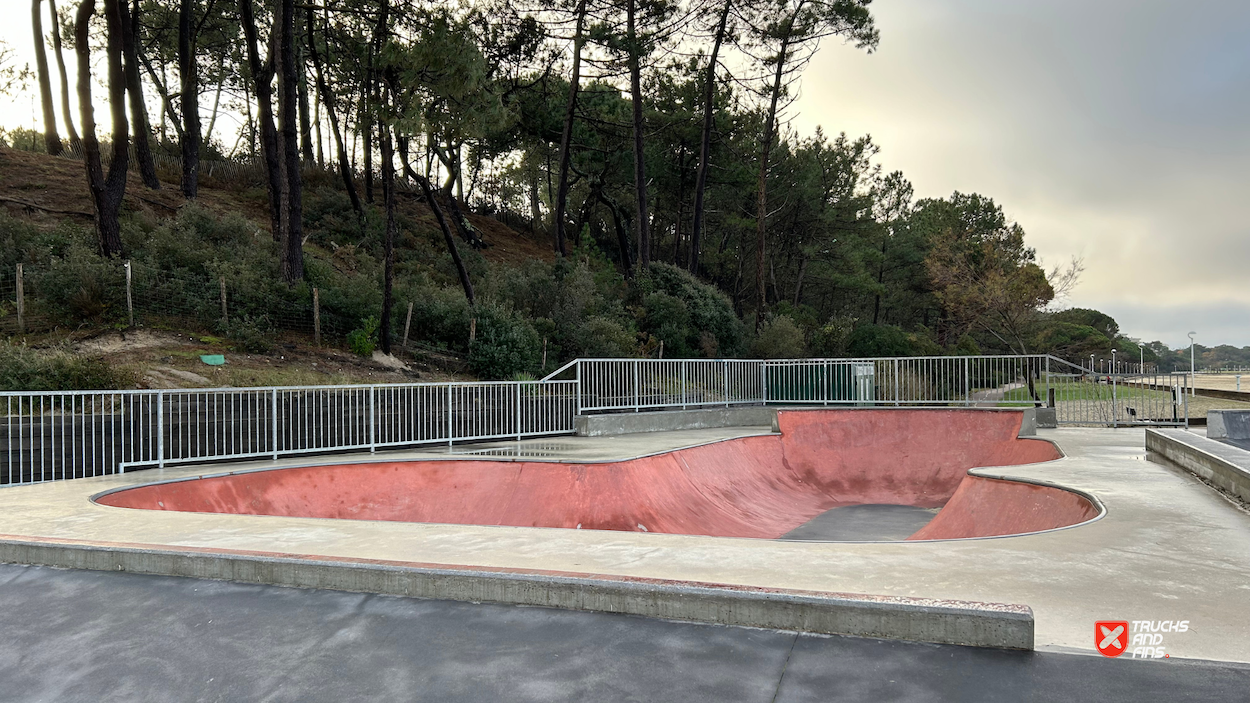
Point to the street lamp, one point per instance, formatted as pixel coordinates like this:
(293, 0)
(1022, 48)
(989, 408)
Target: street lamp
(1091, 364)
(1141, 364)
(1112, 362)
(1192, 378)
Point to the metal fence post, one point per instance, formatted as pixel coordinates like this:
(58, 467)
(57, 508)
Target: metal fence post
(160, 429)
(896, 382)
(764, 381)
(637, 384)
(373, 419)
(273, 413)
(518, 410)
(577, 374)
(685, 363)
(725, 376)
(449, 423)
(967, 382)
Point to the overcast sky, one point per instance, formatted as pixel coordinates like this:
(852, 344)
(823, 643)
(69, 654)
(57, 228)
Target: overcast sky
(1114, 130)
(1118, 131)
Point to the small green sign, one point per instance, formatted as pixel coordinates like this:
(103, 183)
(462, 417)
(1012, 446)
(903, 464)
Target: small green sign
(213, 359)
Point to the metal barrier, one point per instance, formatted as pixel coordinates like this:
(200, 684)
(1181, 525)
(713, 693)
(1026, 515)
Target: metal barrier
(55, 435)
(1079, 395)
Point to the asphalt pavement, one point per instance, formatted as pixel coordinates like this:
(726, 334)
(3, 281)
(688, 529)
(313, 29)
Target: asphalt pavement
(100, 636)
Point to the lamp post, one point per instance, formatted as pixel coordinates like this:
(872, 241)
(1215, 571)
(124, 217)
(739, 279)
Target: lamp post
(1141, 364)
(1112, 362)
(1192, 378)
(1091, 364)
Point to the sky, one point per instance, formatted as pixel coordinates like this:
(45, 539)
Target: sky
(1117, 131)
(1113, 130)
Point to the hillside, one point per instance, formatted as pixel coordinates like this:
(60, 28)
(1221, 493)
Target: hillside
(50, 194)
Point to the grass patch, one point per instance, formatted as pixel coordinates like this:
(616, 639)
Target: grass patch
(26, 369)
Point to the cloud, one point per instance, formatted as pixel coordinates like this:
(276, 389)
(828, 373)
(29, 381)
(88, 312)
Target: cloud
(1113, 130)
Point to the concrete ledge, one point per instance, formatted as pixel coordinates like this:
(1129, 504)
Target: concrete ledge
(1228, 424)
(601, 425)
(607, 424)
(1225, 467)
(923, 620)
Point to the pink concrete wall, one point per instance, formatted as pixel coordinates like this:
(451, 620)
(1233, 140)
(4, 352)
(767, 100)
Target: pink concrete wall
(750, 487)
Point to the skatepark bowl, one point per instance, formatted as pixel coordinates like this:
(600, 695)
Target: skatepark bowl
(827, 475)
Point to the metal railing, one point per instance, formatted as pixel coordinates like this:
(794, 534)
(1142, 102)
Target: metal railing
(1080, 396)
(54, 435)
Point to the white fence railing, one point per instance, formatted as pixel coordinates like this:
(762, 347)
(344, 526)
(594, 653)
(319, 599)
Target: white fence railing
(1079, 396)
(54, 435)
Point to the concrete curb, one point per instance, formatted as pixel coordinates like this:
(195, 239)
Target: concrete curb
(607, 424)
(1223, 466)
(887, 617)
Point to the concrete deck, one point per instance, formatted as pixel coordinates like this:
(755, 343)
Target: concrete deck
(1169, 548)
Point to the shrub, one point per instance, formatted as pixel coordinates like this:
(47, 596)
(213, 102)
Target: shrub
(505, 345)
(779, 338)
(708, 309)
(600, 337)
(253, 335)
(364, 339)
(879, 340)
(26, 369)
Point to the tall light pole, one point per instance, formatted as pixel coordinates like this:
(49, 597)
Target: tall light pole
(1112, 362)
(1141, 364)
(1192, 378)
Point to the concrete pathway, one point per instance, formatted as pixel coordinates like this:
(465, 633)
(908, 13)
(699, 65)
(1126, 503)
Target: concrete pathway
(1169, 547)
(95, 636)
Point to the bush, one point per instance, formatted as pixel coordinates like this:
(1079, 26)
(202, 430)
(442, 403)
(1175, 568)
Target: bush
(708, 311)
(26, 369)
(779, 338)
(879, 340)
(505, 345)
(253, 335)
(364, 339)
(602, 338)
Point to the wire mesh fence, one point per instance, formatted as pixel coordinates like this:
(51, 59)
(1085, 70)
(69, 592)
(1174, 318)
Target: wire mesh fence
(122, 294)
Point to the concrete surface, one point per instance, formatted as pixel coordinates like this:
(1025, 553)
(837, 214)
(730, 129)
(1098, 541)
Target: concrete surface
(606, 424)
(760, 487)
(1228, 424)
(90, 636)
(863, 523)
(1168, 547)
(1223, 466)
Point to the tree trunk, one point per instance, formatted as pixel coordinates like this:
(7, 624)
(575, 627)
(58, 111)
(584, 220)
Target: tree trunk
(288, 105)
(366, 125)
(566, 136)
(106, 192)
(134, 87)
(643, 226)
(262, 74)
(428, 193)
(388, 198)
(388, 186)
(761, 205)
(327, 99)
(305, 118)
(705, 138)
(51, 139)
(75, 142)
(188, 69)
(622, 238)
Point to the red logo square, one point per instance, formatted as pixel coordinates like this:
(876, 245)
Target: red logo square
(1111, 637)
